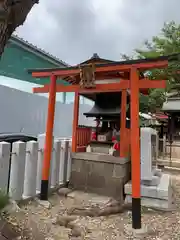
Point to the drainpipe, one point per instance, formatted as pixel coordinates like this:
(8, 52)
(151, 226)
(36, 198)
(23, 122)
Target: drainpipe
(64, 97)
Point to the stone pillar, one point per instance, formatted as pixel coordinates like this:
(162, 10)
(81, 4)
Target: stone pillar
(146, 153)
(157, 148)
(4, 165)
(17, 170)
(50, 170)
(39, 169)
(65, 167)
(41, 139)
(69, 160)
(63, 161)
(58, 159)
(30, 169)
(55, 164)
(164, 147)
(51, 164)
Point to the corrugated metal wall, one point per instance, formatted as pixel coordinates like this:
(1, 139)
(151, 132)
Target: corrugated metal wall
(26, 112)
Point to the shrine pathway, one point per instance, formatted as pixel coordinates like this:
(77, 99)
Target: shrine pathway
(8, 231)
(37, 222)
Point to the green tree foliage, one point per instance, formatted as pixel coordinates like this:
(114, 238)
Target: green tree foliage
(167, 43)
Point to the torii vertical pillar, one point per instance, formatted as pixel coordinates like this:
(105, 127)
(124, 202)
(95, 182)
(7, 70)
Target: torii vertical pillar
(135, 150)
(75, 122)
(48, 140)
(123, 123)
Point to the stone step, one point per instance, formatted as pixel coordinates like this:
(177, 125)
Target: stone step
(159, 204)
(162, 191)
(154, 182)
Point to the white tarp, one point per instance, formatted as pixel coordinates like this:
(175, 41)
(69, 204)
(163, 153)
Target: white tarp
(27, 112)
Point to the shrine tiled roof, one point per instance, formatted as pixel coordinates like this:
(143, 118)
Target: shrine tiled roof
(96, 59)
(171, 57)
(171, 105)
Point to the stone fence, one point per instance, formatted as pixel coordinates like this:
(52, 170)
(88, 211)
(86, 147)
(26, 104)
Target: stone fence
(169, 150)
(21, 167)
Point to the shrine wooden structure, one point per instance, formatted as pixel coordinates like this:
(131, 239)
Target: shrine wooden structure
(130, 77)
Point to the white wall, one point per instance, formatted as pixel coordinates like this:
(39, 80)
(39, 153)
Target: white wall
(28, 86)
(26, 112)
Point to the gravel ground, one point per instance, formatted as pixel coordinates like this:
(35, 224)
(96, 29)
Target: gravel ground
(39, 223)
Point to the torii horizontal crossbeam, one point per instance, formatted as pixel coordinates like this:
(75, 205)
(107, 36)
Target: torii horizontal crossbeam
(113, 67)
(111, 87)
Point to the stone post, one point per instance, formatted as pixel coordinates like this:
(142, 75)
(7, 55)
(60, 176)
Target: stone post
(17, 170)
(51, 165)
(30, 169)
(69, 160)
(157, 148)
(41, 138)
(147, 152)
(41, 142)
(61, 163)
(65, 160)
(164, 146)
(55, 164)
(39, 169)
(4, 165)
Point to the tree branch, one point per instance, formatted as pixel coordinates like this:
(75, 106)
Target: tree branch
(13, 13)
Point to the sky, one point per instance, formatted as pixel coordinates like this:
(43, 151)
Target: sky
(73, 30)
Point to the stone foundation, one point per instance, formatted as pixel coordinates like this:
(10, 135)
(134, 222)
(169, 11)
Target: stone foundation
(159, 196)
(100, 147)
(100, 173)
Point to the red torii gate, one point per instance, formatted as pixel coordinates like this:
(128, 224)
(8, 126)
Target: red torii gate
(103, 71)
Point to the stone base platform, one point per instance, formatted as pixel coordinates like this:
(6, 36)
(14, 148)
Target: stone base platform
(159, 197)
(100, 147)
(100, 173)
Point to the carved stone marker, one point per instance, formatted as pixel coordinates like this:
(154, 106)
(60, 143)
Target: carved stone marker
(148, 139)
(156, 187)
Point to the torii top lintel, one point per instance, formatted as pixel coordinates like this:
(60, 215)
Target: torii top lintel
(102, 70)
(142, 64)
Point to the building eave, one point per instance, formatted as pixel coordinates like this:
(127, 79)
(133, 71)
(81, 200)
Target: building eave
(37, 51)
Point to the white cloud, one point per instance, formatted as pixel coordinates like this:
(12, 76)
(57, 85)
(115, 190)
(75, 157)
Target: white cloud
(74, 30)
